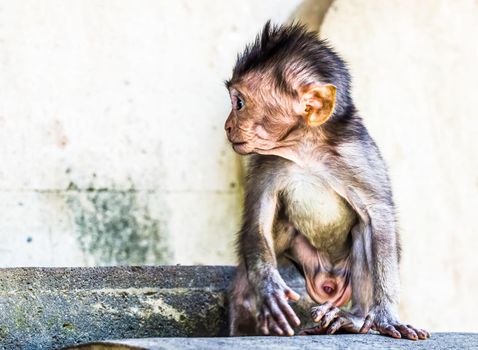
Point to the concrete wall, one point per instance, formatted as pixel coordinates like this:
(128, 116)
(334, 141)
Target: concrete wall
(113, 151)
(111, 121)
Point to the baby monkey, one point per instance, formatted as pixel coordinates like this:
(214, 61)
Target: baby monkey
(317, 192)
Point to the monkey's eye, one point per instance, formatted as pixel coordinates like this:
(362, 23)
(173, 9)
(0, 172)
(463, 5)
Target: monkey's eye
(238, 103)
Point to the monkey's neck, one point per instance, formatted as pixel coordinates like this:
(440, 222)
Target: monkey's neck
(286, 152)
(303, 147)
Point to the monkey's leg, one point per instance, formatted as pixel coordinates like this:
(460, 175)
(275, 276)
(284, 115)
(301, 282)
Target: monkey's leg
(361, 271)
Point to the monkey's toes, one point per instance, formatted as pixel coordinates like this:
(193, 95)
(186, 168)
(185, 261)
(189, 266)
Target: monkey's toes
(421, 333)
(402, 331)
(318, 312)
(329, 316)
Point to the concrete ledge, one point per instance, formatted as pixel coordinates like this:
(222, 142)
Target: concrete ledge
(362, 342)
(49, 308)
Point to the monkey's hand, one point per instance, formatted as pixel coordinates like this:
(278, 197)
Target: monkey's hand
(331, 319)
(275, 313)
(385, 322)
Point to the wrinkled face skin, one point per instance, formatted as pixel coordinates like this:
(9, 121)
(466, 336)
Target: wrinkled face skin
(261, 117)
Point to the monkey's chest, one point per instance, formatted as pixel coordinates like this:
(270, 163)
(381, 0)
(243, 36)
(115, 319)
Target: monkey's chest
(319, 213)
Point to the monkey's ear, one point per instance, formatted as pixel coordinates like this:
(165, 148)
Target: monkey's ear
(317, 103)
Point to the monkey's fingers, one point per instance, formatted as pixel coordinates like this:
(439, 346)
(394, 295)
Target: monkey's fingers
(267, 323)
(292, 295)
(274, 327)
(278, 316)
(288, 311)
(263, 320)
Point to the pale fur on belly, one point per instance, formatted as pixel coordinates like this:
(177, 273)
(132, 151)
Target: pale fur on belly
(317, 211)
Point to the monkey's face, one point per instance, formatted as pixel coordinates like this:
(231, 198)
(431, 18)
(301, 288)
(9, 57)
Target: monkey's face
(264, 119)
(259, 119)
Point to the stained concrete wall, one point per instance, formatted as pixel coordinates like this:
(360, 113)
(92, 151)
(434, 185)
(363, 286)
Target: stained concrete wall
(111, 129)
(113, 151)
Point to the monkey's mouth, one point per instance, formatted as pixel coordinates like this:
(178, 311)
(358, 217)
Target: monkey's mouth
(240, 147)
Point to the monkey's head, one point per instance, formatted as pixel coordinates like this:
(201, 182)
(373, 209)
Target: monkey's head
(287, 79)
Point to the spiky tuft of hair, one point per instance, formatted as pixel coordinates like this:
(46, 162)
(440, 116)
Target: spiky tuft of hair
(293, 54)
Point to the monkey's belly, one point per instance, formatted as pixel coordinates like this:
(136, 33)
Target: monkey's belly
(323, 221)
(320, 214)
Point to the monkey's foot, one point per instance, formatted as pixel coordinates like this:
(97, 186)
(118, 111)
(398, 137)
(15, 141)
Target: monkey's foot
(331, 319)
(394, 329)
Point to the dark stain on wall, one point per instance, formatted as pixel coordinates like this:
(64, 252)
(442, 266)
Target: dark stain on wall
(115, 227)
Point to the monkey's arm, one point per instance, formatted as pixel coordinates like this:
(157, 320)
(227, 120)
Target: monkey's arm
(256, 248)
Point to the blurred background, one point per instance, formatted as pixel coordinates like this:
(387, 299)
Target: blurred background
(113, 151)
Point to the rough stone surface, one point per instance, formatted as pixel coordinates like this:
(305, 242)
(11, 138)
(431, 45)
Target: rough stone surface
(360, 342)
(47, 308)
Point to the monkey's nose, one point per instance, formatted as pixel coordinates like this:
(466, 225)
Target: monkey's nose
(228, 125)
